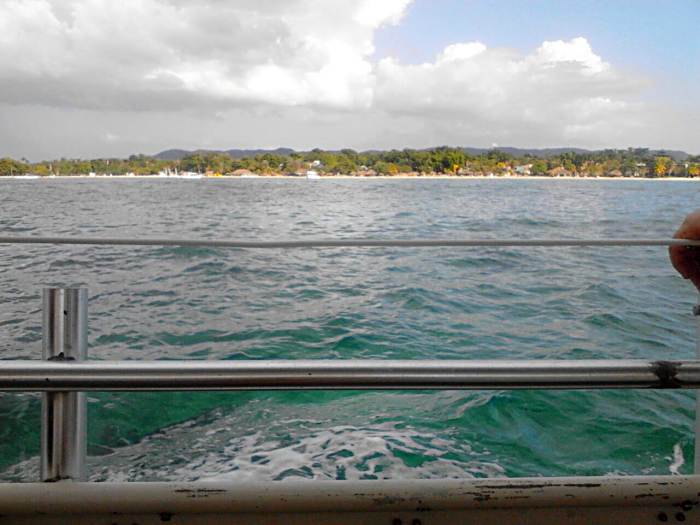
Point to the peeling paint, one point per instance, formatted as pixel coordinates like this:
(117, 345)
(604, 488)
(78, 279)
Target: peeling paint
(203, 490)
(388, 500)
(200, 493)
(515, 486)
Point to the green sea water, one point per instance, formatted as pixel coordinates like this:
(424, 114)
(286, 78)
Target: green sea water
(200, 303)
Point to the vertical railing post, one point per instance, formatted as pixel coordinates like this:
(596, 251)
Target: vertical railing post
(63, 425)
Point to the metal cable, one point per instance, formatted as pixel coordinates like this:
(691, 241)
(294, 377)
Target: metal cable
(347, 243)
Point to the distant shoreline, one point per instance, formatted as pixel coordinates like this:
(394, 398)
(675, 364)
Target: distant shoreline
(343, 177)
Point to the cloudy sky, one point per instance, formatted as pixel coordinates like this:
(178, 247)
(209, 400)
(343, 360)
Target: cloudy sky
(103, 78)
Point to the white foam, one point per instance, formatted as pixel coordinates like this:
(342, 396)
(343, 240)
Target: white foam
(266, 439)
(276, 442)
(678, 459)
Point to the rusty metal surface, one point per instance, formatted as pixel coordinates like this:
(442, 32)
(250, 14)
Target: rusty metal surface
(540, 516)
(679, 493)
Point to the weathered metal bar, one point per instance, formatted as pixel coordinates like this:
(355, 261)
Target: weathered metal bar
(63, 429)
(55, 376)
(677, 493)
(345, 243)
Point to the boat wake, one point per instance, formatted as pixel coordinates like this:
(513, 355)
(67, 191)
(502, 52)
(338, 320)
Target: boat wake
(289, 449)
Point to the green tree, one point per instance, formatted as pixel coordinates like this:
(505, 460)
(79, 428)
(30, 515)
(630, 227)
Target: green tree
(662, 166)
(9, 167)
(539, 167)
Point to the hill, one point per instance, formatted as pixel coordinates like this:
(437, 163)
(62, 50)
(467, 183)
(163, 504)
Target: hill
(178, 154)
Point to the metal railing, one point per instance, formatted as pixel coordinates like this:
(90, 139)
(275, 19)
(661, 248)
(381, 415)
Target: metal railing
(65, 373)
(142, 376)
(346, 243)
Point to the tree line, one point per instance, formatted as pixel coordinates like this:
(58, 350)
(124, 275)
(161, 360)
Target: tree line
(631, 162)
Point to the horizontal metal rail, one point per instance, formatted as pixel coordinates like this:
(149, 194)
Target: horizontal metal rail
(51, 376)
(623, 494)
(347, 243)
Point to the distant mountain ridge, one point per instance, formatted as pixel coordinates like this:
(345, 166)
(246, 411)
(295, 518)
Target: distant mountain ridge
(177, 154)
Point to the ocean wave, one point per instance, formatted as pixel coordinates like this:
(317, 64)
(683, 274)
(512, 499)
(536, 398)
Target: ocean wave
(195, 303)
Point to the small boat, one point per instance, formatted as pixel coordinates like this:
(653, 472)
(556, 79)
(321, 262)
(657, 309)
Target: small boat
(311, 174)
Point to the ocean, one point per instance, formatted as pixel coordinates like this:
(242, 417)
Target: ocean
(419, 303)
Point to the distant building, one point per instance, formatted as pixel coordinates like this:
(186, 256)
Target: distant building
(524, 169)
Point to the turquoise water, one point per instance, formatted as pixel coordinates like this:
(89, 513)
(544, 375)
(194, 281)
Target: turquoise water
(187, 303)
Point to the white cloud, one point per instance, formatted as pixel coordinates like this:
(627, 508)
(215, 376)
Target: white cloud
(303, 62)
(558, 91)
(375, 14)
(98, 53)
(576, 51)
(461, 51)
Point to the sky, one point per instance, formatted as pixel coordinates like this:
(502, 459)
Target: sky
(98, 78)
